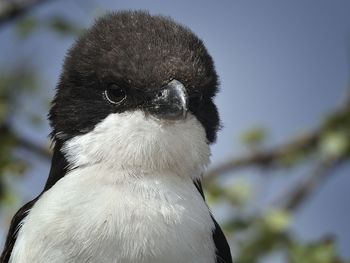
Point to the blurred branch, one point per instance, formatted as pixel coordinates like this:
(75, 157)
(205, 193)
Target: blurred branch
(277, 156)
(25, 143)
(28, 145)
(329, 144)
(10, 10)
(303, 190)
(265, 158)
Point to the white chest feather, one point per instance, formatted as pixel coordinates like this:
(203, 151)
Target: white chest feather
(114, 210)
(148, 219)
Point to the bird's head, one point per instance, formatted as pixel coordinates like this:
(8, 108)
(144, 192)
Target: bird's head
(136, 88)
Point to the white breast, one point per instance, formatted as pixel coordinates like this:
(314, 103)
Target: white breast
(130, 198)
(147, 219)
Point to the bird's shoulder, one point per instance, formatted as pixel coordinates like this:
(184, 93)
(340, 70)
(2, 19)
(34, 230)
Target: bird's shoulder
(223, 252)
(58, 170)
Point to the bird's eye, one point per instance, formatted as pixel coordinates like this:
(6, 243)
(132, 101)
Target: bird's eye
(115, 94)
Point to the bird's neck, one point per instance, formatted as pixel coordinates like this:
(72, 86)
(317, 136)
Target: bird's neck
(141, 145)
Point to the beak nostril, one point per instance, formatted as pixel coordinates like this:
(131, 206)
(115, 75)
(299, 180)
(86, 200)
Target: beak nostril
(169, 102)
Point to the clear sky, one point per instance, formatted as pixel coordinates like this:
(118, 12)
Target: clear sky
(282, 65)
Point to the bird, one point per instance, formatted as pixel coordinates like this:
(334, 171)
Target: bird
(132, 119)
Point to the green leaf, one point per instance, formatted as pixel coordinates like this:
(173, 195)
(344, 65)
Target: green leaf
(254, 137)
(239, 193)
(213, 193)
(26, 26)
(64, 27)
(335, 144)
(3, 110)
(320, 252)
(277, 220)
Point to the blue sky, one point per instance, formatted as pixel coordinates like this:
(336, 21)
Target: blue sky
(281, 64)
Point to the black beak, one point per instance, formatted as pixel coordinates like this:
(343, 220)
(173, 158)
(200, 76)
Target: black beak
(170, 102)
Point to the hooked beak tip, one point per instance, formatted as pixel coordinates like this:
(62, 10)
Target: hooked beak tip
(170, 103)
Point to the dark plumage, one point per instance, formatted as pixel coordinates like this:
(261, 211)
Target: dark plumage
(140, 53)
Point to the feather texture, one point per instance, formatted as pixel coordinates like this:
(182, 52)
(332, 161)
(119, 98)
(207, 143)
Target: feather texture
(129, 197)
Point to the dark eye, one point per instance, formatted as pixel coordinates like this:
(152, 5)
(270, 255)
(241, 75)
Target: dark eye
(115, 94)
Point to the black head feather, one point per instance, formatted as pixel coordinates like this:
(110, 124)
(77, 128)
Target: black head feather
(139, 52)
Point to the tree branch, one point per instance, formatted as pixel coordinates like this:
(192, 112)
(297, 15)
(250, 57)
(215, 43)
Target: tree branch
(266, 158)
(275, 156)
(305, 189)
(28, 145)
(41, 151)
(304, 144)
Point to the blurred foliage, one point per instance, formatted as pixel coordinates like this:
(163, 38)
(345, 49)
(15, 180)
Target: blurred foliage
(26, 26)
(14, 85)
(254, 137)
(336, 134)
(58, 24)
(256, 233)
(237, 194)
(268, 230)
(323, 251)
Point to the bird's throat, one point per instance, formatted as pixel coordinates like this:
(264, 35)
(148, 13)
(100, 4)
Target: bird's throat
(133, 141)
